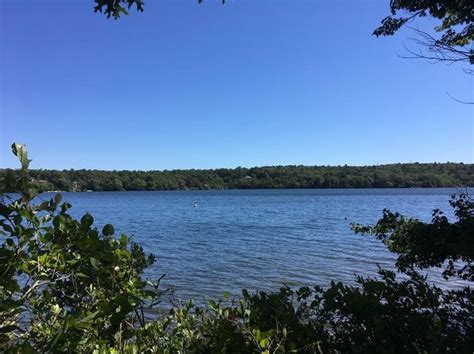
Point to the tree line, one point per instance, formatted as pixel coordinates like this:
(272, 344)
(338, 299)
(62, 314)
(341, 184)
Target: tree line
(272, 177)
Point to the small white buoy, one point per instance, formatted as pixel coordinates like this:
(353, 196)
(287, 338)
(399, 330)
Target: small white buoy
(195, 205)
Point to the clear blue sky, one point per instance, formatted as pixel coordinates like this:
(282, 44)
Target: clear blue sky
(252, 83)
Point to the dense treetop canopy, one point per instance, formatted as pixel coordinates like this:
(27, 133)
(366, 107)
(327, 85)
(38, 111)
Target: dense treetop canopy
(382, 176)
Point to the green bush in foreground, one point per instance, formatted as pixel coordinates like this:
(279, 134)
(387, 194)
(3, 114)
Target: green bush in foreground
(378, 316)
(66, 287)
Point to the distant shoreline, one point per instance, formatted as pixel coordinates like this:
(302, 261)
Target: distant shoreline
(410, 175)
(257, 189)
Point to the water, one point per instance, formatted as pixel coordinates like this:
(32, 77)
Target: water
(208, 242)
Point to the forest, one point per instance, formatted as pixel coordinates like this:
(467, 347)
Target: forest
(407, 175)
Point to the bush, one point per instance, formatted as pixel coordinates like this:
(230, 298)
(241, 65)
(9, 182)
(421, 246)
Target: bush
(65, 286)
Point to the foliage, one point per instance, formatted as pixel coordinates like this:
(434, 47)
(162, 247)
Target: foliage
(65, 286)
(116, 8)
(431, 245)
(455, 23)
(383, 176)
(377, 316)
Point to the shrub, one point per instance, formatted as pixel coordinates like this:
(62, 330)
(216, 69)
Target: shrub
(64, 285)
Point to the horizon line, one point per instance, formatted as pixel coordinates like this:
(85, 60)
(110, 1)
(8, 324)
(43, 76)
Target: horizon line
(243, 167)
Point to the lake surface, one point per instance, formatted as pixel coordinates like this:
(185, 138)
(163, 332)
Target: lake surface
(208, 242)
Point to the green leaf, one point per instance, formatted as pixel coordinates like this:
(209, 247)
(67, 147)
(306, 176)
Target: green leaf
(257, 334)
(88, 318)
(57, 198)
(59, 221)
(19, 150)
(56, 309)
(26, 348)
(87, 220)
(264, 342)
(108, 230)
(94, 262)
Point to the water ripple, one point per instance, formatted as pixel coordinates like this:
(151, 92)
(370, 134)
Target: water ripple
(256, 239)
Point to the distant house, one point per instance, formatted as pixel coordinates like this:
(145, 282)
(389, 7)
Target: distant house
(247, 177)
(39, 181)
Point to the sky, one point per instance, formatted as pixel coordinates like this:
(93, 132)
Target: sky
(251, 83)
